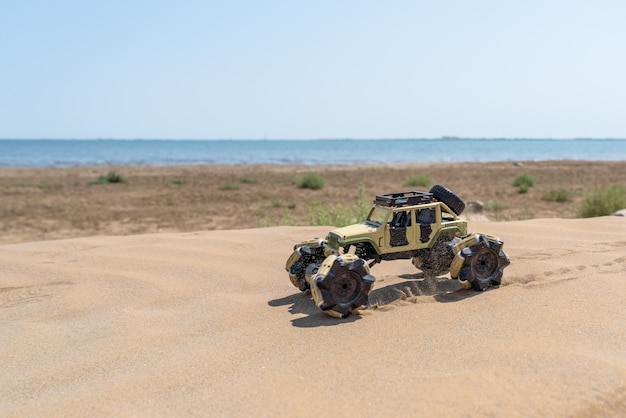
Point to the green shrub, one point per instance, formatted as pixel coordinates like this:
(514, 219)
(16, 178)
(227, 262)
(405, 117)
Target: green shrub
(228, 186)
(497, 208)
(286, 220)
(522, 216)
(111, 177)
(247, 180)
(523, 182)
(178, 182)
(321, 214)
(311, 181)
(280, 204)
(603, 202)
(340, 215)
(418, 181)
(558, 195)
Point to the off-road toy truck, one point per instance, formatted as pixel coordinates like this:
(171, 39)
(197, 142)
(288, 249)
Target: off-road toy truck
(422, 226)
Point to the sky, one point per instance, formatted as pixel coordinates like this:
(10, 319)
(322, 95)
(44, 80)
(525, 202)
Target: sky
(312, 69)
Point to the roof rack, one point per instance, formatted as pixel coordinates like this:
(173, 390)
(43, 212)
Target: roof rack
(401, 199)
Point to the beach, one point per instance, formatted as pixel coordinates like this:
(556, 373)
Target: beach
(167, 295)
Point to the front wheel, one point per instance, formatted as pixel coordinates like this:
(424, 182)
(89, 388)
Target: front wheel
(342, 285)
(483, 264)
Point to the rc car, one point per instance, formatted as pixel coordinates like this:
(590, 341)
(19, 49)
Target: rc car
(421, 226)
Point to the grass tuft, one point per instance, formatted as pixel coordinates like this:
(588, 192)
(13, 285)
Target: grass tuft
(111, 177)
(321, 214)
(523, 182)
(229, 186)
(603, 202)
(280, 204)
(247, 180)
(558, 195)
(311, 181)
(340, 215)
(497, 208)
(418, 181)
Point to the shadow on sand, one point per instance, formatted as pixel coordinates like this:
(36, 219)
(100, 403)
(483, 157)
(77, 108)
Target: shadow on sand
(442, 289)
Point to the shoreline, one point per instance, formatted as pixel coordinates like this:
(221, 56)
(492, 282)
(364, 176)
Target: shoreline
(68, 153)
(54, 203)
(326, 166)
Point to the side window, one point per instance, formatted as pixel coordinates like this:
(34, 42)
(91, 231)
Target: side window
(401, 219)
(426, 216)
(398, 228)
(446, 216)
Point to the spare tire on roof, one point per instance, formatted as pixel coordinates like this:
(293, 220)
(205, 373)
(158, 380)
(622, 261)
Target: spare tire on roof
(447, 196)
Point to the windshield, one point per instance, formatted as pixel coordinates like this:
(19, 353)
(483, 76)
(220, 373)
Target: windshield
(378, 214)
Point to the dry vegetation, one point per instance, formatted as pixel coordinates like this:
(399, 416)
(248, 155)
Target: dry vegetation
(40, 204)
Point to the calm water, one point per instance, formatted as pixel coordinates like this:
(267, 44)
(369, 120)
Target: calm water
(67, 153)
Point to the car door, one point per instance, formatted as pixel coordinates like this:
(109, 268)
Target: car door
(399, 228)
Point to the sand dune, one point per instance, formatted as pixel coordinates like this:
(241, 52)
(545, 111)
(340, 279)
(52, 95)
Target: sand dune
(207, 323)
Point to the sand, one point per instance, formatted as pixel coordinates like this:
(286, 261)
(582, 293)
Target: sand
(159, 297)
(206, 323)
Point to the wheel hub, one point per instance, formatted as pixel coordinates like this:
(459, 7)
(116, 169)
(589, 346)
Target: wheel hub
(345, 287)
(485, 263)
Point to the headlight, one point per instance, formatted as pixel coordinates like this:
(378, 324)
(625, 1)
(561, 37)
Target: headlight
(332, 241)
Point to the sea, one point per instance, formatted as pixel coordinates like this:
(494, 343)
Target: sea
(165, 152)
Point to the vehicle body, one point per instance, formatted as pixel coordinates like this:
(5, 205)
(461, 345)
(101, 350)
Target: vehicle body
(422, 226)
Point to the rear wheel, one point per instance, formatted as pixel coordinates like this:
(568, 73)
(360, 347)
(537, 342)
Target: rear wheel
(483, 264)
(342, 285)
(435, 261)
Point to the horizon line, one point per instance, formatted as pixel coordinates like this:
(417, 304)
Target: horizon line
(442, 138)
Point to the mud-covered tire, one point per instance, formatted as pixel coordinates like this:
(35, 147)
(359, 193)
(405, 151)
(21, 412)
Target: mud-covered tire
(435, 261)
(483, 264)
(342, 285)
(447, 196)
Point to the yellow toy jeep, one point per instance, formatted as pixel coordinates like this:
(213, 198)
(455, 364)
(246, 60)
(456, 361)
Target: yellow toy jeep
(422, 226)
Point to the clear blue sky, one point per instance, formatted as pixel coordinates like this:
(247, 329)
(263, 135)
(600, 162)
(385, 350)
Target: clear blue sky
(312, 69)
